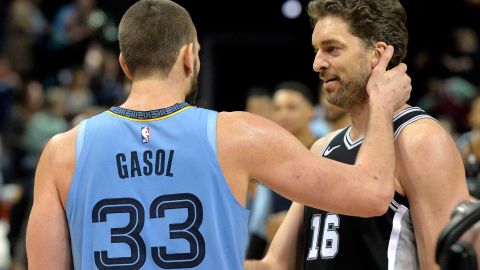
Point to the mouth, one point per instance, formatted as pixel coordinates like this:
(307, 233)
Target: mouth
(328, 80)
(328, 83)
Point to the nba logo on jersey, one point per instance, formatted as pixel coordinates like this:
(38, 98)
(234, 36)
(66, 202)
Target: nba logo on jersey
(145, 134)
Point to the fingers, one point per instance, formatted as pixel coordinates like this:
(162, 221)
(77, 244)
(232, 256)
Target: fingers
(408, 88)
(385, 58)
(402, 68)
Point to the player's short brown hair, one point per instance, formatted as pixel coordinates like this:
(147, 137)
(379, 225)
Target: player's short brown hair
(151, 34)
(370, 20)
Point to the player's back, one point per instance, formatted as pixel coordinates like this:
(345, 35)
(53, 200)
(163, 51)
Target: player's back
(148, 193)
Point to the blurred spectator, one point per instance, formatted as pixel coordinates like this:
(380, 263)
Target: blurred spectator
(464, 60)
(45, 123)
(30, 101)
(293, 110)
(259, 102)
(79, 96)
(107, 84)
(451, 97)
(25, 27)
(9, 85)
(452, 82)
(76, 21)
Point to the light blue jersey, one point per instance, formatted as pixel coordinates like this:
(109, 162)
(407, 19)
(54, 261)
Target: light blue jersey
(148, 193)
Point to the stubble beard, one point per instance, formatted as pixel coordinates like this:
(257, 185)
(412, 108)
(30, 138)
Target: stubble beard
(352, 93)
(191, 96)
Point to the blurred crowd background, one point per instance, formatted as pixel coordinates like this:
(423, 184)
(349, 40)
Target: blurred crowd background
(58, 65)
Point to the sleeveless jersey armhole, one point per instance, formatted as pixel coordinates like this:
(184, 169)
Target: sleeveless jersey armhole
(212, 130)
(80, 139)
(72, 194)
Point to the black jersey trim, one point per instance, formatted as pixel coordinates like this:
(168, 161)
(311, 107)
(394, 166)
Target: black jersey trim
(149, 115)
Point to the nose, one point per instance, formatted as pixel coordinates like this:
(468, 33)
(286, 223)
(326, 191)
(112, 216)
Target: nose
(320, 62)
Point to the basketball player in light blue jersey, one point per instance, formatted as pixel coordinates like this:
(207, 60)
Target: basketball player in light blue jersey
(159, 184)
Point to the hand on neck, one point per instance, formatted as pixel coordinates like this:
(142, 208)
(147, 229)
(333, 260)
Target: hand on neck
(360, 117)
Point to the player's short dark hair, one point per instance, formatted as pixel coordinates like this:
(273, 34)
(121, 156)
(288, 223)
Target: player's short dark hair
(370, 20)
(298, 87)
(151, 34)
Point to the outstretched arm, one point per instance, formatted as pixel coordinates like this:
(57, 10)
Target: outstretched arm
(282, 252)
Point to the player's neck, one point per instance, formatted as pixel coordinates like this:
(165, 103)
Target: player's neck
(360, 118)
(341, 122)
(152, 93)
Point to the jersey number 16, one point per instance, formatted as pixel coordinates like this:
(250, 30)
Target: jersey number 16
(329, 248)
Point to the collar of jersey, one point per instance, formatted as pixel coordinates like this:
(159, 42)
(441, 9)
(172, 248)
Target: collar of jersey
(147, 116)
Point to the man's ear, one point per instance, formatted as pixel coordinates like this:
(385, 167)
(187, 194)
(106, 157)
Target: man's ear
(378, 50)
(188, 58)
(125, 69)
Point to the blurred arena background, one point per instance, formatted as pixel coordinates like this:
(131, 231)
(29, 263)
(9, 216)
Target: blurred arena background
(58, 65)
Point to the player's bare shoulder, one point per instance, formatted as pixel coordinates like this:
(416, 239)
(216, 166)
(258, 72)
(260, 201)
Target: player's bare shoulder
(426, 144)
(58, 161)
(244, 122)
(425, 134)
(62, 146)
(246, 132)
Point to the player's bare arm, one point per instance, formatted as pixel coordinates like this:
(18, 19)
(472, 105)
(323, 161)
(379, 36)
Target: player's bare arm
(252, 147)
(431, 173)
(48, 247)
(282, 251)
(285, 252)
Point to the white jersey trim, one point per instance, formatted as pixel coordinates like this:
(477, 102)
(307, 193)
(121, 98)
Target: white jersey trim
(394, 236)
(414, 119)
(407, 110)
(349, 143)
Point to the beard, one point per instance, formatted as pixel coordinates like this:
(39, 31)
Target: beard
(191, 97)
(353, 92)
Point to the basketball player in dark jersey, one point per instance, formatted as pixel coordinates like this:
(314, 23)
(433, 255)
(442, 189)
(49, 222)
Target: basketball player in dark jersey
(348, 37)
